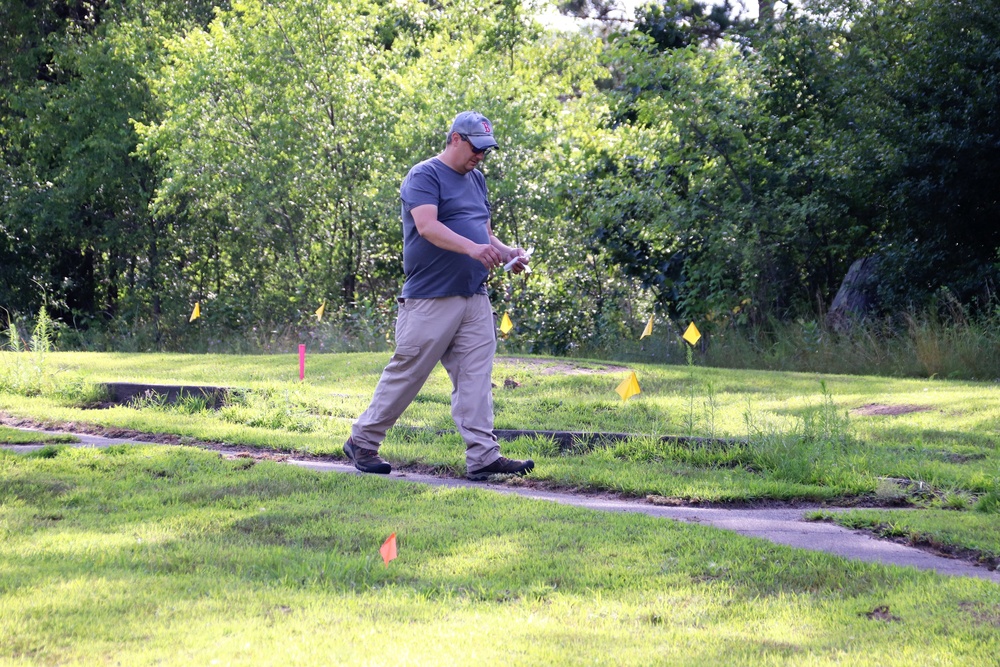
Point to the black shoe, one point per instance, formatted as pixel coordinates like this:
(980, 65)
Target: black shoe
(502, 466)
(366, 460)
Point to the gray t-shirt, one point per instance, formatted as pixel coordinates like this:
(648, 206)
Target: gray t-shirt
(463, 207)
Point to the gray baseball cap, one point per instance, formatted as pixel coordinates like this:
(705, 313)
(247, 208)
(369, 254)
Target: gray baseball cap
(476, 127)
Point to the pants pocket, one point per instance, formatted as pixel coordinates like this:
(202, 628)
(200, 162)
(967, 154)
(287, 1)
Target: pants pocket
(407, 351)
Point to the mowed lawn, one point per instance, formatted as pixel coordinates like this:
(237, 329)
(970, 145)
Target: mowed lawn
(174, 555)
(759, 436)
(867, 441)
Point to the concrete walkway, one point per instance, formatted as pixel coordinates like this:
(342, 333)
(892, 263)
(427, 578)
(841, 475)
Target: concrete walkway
(781, 526)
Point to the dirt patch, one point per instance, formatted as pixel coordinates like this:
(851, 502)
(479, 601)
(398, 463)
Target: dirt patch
(254, 456)
(93, 429)
(986, 614)
(932, 546)
(881, 409)
(561, 366)
(881, 613)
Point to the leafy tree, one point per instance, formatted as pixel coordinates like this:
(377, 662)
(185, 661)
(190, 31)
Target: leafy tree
(289, 128)
(274, 151)
(156, 153)
(676, 24)
(927, 84)
(739, 175)
(74, 205)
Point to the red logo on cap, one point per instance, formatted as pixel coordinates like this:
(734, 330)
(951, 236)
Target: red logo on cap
(486, 127)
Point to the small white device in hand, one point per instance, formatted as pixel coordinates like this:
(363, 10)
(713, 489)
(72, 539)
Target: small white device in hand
(510, 265)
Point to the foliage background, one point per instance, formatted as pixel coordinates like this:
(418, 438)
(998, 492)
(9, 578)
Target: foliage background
(691, 162)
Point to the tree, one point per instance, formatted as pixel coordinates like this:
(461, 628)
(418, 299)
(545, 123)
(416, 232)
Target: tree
(759, 172)
(74, 205)
(928, 81)
(274, 152)
(289, 128)
(676, 24)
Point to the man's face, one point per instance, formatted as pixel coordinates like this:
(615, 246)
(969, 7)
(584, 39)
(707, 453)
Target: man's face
(473, 156)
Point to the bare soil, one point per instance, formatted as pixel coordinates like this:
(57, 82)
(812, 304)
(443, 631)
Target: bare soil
(932, 546)
(880, 409)
(561, 366)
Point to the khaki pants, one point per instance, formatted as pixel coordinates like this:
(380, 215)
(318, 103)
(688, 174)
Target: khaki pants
(459, 332)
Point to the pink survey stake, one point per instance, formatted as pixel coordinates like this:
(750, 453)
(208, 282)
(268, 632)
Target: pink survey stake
(302, 362)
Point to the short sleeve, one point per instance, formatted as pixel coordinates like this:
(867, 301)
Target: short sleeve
(420, 187)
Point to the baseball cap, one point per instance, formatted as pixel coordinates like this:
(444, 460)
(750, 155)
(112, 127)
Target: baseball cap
(476, 127)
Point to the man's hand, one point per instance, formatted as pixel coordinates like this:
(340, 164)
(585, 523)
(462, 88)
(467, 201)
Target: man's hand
(488, 255)
(517, 260)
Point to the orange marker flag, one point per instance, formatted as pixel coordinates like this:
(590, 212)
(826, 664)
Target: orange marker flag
(629, 388)
(388, 549)
(692, 335)
(648, 331)
(196, 313)
(506, 325)
(319, 312)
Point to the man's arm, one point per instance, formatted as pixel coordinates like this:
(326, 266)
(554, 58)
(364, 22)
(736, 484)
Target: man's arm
(429, 227)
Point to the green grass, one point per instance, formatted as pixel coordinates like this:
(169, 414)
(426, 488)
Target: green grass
(167, 555)
(803, 441)
(774, 435)
(959, 345)
(13, 436)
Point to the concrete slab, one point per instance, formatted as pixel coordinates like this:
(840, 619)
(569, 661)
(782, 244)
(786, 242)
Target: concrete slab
(123, 392)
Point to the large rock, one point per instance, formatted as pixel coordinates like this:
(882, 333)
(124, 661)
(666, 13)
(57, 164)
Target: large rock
(856, 297)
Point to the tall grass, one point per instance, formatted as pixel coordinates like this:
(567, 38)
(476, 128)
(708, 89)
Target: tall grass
(23, 367)
(366, 327)
(818, 449)
(955, 346)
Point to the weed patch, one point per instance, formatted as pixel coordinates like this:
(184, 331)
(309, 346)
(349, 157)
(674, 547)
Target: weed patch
(284, 411)
(24, 368)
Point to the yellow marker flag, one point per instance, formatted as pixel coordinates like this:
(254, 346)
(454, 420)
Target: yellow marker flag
(648, 331)
(319, 312)
(629, 388)
(196, 313)
(692, 335)
(506, 325)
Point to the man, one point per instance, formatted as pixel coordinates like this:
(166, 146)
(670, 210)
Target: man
(444, 312)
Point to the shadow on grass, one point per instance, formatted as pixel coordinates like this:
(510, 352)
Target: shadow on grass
(131, 546)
